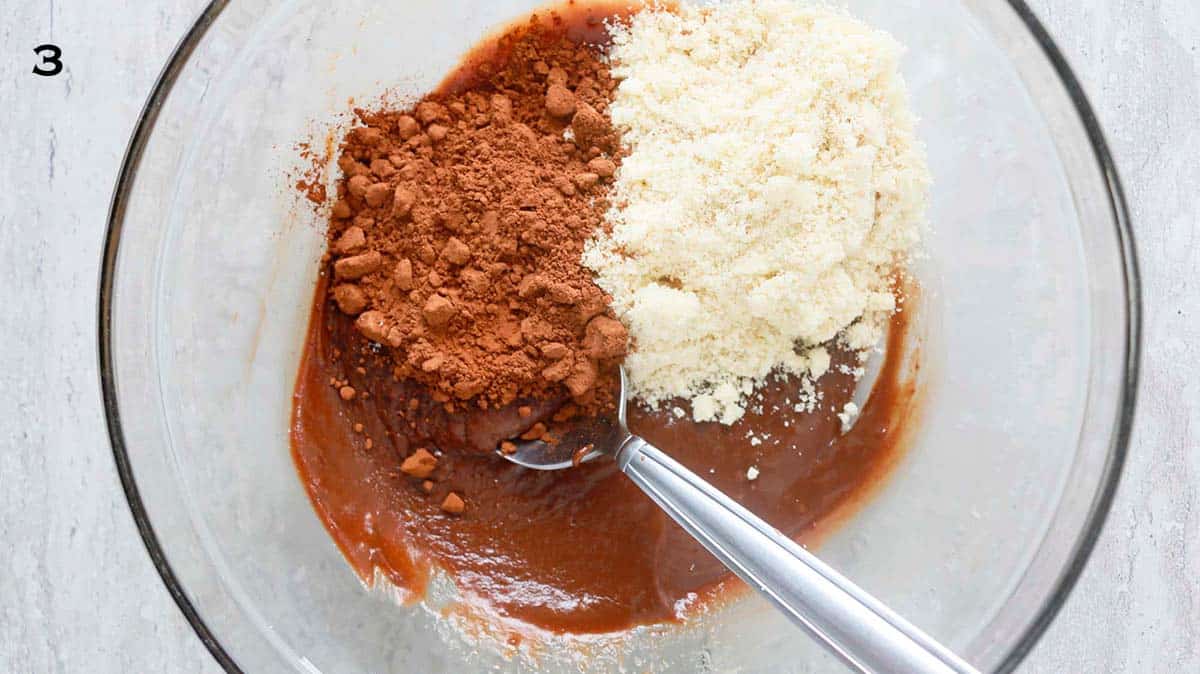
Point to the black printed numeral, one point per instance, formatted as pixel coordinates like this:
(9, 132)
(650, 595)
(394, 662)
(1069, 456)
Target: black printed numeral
(51, 64)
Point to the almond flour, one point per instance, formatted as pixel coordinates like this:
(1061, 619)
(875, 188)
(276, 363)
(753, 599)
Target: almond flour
(771, 185)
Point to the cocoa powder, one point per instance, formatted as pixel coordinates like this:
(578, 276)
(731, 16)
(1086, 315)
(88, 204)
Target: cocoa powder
(459, 224)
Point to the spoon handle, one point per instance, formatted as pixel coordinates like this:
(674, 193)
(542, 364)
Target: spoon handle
(852, 624)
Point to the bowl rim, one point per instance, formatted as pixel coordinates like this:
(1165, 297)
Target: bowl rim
(1118, 443)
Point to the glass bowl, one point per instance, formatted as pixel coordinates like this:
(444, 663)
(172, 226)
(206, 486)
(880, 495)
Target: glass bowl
(1029, 348)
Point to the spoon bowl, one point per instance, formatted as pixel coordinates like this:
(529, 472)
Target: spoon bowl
(583, 441)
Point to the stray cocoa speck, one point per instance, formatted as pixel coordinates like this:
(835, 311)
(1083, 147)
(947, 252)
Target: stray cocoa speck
(427, 254)
(453, 504)
(535, 432)
(531, 285)
(404, 274)
(566, 413)
(468, 388)
(588, 126)
(437, 311)
(563, 184)
(358, 266)
(475, 280)
(357, 186)
(557, 76)
(605, 168)
(368, 136)
(560, 101)
(353, 240)
(585, 181)
(378, 194)
(429, 111)
(582, 378)
(420, 465)
(563, 293)
(350, 298)
(407, 127)
(502, 109)
(456, 252)
(403, 200)
(557, 371)
(605, 337)
(373, 325)
(555, 350)
(432, 364)
(382, 168)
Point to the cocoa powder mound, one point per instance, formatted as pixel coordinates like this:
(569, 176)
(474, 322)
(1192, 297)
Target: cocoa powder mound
(459, 225)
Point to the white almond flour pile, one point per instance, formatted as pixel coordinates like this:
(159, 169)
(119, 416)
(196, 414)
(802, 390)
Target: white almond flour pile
(772, 185)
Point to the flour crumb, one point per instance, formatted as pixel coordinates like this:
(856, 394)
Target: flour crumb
(684, 604)
(752, 473)
(847, 416)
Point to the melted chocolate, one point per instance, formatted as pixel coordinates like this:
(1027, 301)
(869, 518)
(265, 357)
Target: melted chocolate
(580, 550)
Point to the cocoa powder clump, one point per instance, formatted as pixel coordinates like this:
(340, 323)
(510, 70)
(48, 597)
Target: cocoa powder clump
(459, 225)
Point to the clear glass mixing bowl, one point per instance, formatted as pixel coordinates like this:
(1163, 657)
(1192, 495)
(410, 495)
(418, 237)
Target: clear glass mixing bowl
(1029, 349)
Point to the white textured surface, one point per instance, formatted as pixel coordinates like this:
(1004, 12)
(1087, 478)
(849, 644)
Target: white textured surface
(77, 590)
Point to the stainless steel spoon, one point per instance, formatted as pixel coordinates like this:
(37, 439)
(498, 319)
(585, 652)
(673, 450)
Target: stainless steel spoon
(852, 624)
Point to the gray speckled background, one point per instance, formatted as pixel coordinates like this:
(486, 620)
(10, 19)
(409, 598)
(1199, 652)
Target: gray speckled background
(77, 590)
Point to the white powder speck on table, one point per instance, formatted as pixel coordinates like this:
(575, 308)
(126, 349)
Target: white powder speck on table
(772, 185)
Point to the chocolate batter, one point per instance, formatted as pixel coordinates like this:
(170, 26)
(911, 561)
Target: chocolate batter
(581, 550)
